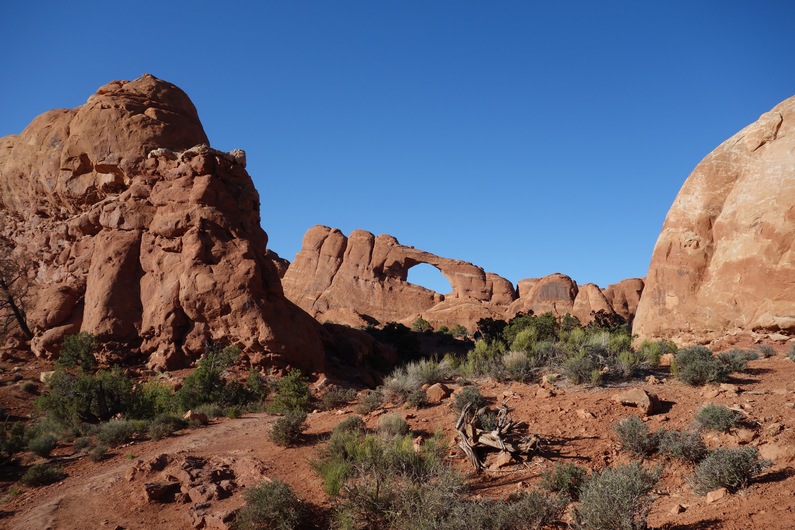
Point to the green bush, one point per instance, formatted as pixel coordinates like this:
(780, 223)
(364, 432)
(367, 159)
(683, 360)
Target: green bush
(682, 445)
(164, 426)
(42, 475)
(417, 399)
(635, 438)
(420, 325)
(211, 410)
(427, 372)
(12, 440)
(337, 397)
(393, 425)
(353, 424)
(43, 444)
(766, 350)
(565, 479)
(154, 398)
(736, 360)
(716, 417)
(616, 499)
(469, 395)
(78, 351)
(518, 365)
(292, 393)
(287, 430)
(81, 443)
(582, 368)
(370, 402)
(732, 469)
(459, 331)
(117, 432)
(270, 506)
(206, 383)
(697, 366)
(99, 453)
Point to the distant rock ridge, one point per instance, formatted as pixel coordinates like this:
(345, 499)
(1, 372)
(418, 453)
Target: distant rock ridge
(136, 230)
(724, 263)
(362, 279)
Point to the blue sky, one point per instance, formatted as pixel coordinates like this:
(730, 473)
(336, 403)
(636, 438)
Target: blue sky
(527, 138)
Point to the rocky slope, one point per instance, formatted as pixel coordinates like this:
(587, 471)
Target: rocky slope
(724, 264)
(130, 227)
(362, 279)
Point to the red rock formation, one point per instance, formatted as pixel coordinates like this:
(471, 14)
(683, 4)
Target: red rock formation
(624, 297)
(363, 278)
(141, 238)
(724, 263)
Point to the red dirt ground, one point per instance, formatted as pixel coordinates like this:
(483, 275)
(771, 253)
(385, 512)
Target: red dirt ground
(99, 495)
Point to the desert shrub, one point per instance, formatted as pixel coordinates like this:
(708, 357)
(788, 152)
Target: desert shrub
(154, 397)
(99, 453)
(337, 397)
(459, 331)
(417, 398)
(398, 386)
(117, 432)
(369, 402)
(84, 442)
(681, 445)
(206, 383)
(469, 395)
(164, 426)
(736, 360)
(392, 425)
(353, 424)
(628, 363)
(488, 420)
(518, 366)
(525, 339)
(484, 358)
(565, 479)
(292, 393)
(257, 386)
(582, 368)
(716, 417)
(616, 499)
(732, 469)
(43, 444)
(211, 410)
(697, 366)
(634, 437)
(427, 372)
(287, 430)
(12, 440)
(78, 351)
(271, 505)
(652, 351)
(791, 353)
(234, 412)
(766, 351)
(421, 325)
(42, 475)
(72, 399)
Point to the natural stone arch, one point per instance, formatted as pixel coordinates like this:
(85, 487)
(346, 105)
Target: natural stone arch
(420, 272)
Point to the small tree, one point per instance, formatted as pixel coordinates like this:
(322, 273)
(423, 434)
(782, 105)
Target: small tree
(13, 292)
(206, 384)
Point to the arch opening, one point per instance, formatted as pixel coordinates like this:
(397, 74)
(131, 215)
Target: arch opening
(428, 276)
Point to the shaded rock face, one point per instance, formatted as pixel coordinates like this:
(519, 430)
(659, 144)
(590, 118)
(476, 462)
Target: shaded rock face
(724, 263)
(361, 279)
(138, 232)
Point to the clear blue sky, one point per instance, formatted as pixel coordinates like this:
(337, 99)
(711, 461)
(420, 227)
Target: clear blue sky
(525, 137)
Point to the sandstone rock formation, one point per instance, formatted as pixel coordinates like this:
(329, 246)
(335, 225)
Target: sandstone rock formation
(138, 232)
(724, 263)
(362, 279)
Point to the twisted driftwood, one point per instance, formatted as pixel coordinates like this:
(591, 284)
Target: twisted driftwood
(506, 437)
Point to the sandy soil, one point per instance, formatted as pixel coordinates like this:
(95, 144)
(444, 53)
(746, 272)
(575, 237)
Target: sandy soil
(575, 423)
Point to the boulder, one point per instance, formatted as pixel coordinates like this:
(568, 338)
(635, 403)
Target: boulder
(723, 263)
(436, 393)
(137, 231)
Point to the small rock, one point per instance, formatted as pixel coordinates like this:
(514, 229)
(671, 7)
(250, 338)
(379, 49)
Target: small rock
(711, 393)
(503, 459)
(45, 377)
(744, 436)
(666, 359)
(418, 444)
(637, 397)
(544, 393)
(677, 509)
(437, 392)
(716, 495)
(199, 417)
(585, 414)
(728, 387)
(653, 380)
(773, 429)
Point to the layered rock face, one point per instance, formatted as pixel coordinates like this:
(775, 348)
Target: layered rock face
(362, 279)
(724, 263)
(135, 230)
